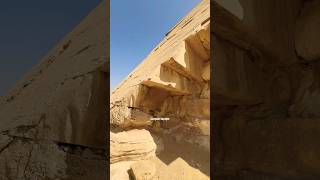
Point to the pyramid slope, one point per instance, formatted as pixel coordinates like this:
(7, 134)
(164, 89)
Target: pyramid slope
(59, 91)
(54, 120)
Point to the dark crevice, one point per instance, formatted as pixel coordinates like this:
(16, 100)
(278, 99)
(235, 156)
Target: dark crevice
(6, 146)
(100, 154)
(82, 50)
(65, 47)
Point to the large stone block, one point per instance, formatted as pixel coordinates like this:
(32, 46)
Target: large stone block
(236, 78)
(283, 147)
(143, 170)
(131, 145)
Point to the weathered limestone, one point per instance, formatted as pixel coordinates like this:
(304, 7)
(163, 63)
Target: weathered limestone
(119, 170)
(266, 91)
(143, 170)
(123, 116)
(42, 159)
(172, 80)
(131, 145)
(55, 117)
(187, 172)
(307, 30)
(233, 81)
(286, 147)
(279, 40)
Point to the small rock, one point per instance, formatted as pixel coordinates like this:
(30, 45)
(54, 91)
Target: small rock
(143, 170)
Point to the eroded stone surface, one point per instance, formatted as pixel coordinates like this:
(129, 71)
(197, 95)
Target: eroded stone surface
(53, 120)
(170, 88)
(307, 31)
(267, 97)
(62, 89)
(120, 170)
(172, 82)
(143, 170)
(42, 159)
(131, 145)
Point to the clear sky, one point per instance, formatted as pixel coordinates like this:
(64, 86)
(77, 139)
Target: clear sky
(28, 29)
(137, 27)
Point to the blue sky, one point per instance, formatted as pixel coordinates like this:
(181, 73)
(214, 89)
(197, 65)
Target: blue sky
(136, 27)
(30, 28)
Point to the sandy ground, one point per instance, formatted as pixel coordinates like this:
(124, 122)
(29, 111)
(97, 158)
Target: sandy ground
(176, 159)
(181, 160)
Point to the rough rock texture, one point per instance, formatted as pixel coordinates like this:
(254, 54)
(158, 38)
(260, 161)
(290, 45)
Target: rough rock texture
(53, 123)
(131, 145)
(266, 109)
(143, 170)
(307, 39)
(120, 170)
(172, 84)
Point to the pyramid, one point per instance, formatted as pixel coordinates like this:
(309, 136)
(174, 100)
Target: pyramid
(172, 81)
(167, 98)
(53, 122)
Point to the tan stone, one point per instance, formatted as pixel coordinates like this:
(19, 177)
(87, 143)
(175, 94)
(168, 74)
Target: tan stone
(119, 170)
(232, 70)
(53, 120)
(124, 116)
(143, 170)
(203, 125)
(66, 91)
(186, 171)
(173, 82)
(266, 98)
(177, 69)
(205, 94)
(198, 108)
(206, 72)
(131, 145)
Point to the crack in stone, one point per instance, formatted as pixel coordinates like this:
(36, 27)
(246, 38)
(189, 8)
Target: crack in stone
(6, 146)
(28, 161)
(82, 50)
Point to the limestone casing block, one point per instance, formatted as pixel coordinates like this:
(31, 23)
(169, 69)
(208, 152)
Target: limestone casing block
(66, 92)
(232, 69)
(131, 145)
(171, 82)
(124, 116)
(53, 121)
